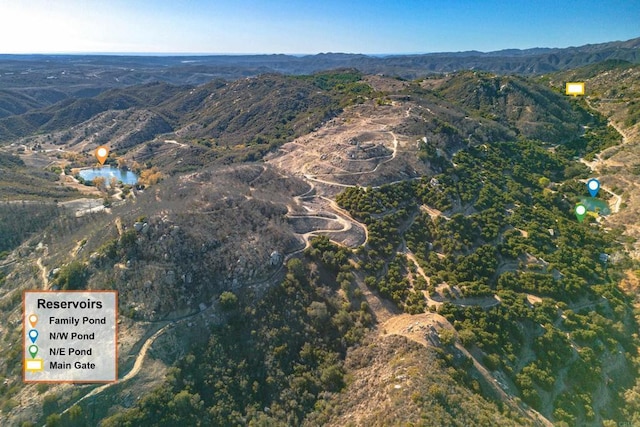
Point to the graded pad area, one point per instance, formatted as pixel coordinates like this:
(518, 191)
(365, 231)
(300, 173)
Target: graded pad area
(70, 336)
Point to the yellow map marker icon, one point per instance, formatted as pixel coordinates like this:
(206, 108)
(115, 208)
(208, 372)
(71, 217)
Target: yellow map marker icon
(102, 153)
(574, 88)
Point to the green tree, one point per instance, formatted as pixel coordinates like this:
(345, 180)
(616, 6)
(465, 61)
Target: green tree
(228, 300)
(76, 416)
(53, 420)
(296, 267)
(72, 276)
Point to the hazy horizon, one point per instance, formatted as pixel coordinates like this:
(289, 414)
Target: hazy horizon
(205, 54)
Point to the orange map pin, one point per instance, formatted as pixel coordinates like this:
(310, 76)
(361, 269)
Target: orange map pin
(102, 153)
(33, 319)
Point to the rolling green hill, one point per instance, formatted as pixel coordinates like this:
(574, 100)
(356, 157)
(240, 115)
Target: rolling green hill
(269, 109)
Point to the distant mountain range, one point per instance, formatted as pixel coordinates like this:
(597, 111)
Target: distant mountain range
(77, 72)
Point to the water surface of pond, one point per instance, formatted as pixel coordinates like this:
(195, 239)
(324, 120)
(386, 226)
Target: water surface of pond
(108, 172)
(594, 204)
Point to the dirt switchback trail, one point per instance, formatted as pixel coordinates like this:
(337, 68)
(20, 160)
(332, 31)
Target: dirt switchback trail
(319, 207)
(132, 373)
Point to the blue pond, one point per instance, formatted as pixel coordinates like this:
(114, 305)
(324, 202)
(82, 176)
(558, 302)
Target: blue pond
(108, 172)
(596, 205)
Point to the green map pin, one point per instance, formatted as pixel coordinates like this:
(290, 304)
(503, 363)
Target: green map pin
(33, 350)
(581, 212)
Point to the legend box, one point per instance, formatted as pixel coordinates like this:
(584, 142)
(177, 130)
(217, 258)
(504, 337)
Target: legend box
(70, 336)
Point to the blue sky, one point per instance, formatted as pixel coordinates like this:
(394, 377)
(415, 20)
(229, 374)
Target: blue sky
(289, 26)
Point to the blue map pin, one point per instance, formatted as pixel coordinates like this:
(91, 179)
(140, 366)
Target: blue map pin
(33, 335)
(593, 185)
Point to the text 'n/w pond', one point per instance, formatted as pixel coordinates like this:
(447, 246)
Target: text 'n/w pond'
(108, 172)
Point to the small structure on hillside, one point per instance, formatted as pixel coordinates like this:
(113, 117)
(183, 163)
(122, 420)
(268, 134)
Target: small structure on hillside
(275, 259)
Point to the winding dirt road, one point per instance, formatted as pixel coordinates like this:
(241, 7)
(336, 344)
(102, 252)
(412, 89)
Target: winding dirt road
(133, 372)
(43, 273)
